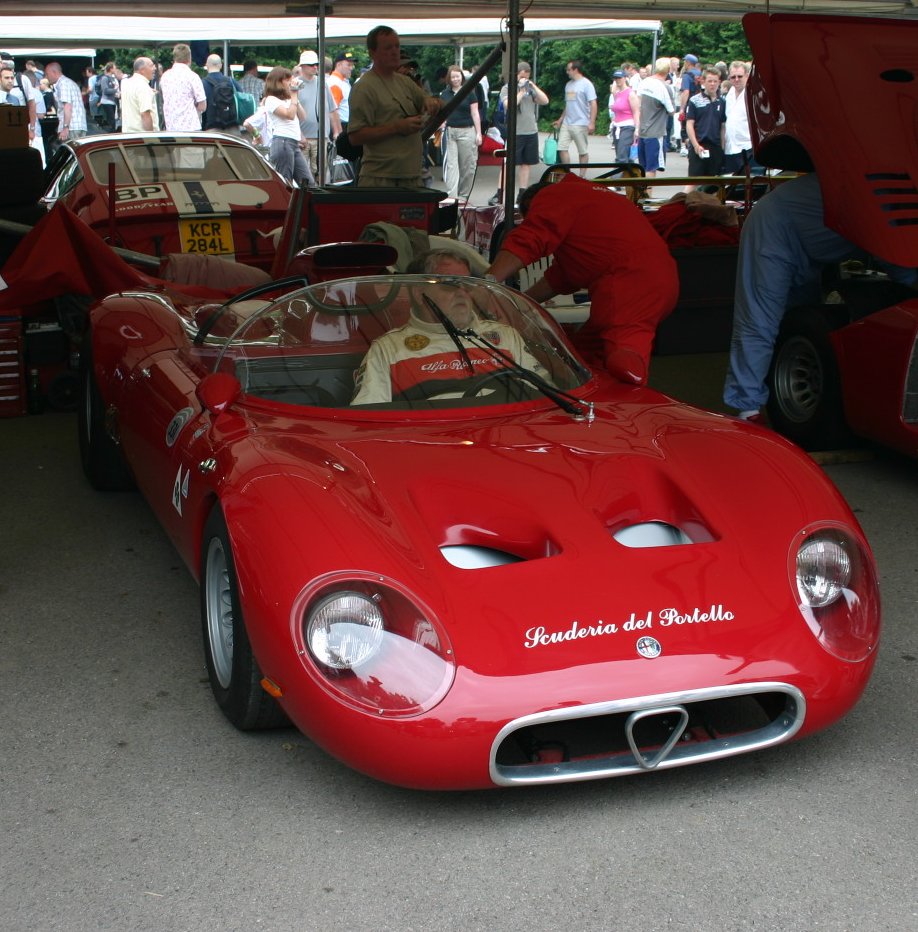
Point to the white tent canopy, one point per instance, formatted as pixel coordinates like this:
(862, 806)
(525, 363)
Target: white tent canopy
(111, 31)
(426, 9)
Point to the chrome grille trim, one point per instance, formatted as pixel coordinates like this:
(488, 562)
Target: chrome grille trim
(781, 729)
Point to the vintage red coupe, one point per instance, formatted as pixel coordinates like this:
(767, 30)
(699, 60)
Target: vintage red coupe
(453, 556)
(204, 193)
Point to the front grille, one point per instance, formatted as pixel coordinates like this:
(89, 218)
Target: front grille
(628, 736)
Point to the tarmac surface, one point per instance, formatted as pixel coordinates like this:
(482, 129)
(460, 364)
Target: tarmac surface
(127, 802)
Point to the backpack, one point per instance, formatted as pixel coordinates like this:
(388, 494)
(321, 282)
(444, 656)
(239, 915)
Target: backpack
(221, 108)
(245, 105)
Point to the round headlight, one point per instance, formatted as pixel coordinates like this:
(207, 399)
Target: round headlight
(836, 582)
(344, 630)
(369, 642)
(823, 571)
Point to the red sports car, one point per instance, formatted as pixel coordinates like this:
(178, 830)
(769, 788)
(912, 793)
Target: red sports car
(454, 557)
(173, 193)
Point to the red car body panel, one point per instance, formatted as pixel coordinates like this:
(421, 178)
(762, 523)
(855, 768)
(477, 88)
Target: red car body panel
(860, 134)
(225, 202)
(311, 494)
(875, 357)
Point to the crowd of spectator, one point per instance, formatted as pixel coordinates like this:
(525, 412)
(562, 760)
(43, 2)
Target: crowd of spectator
(676, 104)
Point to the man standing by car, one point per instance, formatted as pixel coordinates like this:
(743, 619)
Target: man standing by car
(250, 82)
(655, 106)
(308, 94)
(220, 115)
(737, 141)
(784, 246)
(184, 99)
(616, 254)
(339, 83)
(139, 113)
(388, 111)
(529, 97)
(578, 118)
(704, 125)
(70, 110)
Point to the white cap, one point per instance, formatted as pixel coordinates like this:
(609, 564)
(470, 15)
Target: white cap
(309, 58)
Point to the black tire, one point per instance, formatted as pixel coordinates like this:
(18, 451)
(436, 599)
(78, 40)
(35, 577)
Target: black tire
(235, 677)
(101, 458)
(805, 393)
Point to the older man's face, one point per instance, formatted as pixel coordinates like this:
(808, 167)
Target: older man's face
(738, 78)
(6, 79)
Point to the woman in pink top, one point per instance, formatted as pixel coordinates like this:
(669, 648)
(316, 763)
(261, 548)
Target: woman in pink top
(624, 113)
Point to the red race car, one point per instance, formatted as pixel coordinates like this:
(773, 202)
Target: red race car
(454, 557)
(848, 365)
(168, 193)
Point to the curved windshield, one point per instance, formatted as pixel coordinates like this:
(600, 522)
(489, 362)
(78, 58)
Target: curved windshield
(178, 160)
(396, 342)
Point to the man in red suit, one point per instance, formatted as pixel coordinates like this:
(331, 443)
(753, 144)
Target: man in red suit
(602, 242)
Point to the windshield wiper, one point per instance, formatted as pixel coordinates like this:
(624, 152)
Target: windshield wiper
(452, 330)
(566, 402)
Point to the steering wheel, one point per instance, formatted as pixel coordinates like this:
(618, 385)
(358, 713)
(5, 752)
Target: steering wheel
(509, 382)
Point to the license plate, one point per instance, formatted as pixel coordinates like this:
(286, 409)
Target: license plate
(211, 237)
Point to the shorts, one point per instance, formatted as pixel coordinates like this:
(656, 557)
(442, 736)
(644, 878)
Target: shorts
(576, 134)
(652, 154)
(527, 149)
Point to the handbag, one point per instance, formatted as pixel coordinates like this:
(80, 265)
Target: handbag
(550, 150)
(347, 149)
(340, 170)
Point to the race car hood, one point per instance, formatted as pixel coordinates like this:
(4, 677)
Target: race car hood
(803, 98)
(554, 501)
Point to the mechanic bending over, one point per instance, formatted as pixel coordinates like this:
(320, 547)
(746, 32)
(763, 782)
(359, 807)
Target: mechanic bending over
(784, 245)
(422, 351)
(602, 242)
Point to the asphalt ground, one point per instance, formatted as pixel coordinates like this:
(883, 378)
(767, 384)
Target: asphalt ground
(127, 802)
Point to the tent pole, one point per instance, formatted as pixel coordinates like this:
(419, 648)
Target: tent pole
(322, 137)
(515, 28)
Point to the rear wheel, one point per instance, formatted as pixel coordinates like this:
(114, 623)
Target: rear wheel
(235, 677)
(805, 394)
(101, 458)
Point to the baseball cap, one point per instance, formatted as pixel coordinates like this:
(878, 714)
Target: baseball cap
(405, 59)
(309, 58)
(344, 56)
(693, 59)
(618, 73)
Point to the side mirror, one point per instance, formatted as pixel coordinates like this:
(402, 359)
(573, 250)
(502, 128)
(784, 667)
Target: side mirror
(218, 391)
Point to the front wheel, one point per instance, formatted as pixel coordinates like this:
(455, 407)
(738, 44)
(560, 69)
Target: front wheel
(805, 393)
(235, 677)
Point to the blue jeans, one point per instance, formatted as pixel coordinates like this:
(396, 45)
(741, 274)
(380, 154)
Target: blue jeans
(288, 159)
(783, 248)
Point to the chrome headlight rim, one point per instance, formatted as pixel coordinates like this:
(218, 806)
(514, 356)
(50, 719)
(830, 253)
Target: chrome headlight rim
(841, 609)
(413, 661)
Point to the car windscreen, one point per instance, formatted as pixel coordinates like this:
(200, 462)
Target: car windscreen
(158, 161)
(399, 341)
